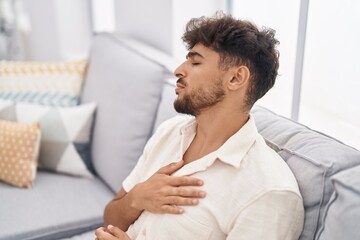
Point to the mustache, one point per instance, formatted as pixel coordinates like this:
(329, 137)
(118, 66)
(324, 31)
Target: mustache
(181, 81)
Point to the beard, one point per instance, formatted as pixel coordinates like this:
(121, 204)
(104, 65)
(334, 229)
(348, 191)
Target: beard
(199, 99)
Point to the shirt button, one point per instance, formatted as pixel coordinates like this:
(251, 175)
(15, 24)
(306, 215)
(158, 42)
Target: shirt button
(144, 231)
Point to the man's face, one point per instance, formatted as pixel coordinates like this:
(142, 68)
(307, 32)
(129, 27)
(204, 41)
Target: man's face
(200, 84)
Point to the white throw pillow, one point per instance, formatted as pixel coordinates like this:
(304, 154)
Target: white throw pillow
(7, 110)
(65, 136)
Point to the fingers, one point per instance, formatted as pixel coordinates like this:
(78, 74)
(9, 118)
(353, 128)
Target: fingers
(185, 181)
(182, 201)
(179, 181)
(171, 209)
(117, 232)
(102, 234)
(99, 231)
(171, 168)
(187, 192)
(162, 193)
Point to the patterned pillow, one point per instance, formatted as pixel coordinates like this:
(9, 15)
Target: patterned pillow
(45, 83)
(19, 151)
(65, 133)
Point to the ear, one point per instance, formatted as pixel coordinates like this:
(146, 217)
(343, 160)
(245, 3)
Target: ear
(239, 77)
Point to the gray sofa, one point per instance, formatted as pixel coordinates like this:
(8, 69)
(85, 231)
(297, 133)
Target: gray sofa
(133, 86)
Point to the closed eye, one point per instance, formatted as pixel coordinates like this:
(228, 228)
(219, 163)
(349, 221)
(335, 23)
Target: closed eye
(193, 56)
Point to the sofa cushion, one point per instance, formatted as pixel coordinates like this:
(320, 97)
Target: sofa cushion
(19, 152)
(58, 206)
(65, 135)
(343, 211)
(46, 83)
(313, 157)
(83, 236)
(126, 82)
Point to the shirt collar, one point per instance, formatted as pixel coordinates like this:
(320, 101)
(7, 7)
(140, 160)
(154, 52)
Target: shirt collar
(236, 147)
(189, 127)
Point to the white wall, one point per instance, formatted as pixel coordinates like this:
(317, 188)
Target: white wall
(161, 23)
(42, 41)
(60, 29)
(183, 11)
(147, 20)
(73, 25)
(103, 15)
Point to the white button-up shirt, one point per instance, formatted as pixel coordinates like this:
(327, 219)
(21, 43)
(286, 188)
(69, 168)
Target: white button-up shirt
(250, 191)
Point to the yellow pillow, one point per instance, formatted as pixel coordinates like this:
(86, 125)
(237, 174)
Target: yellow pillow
(19, 152)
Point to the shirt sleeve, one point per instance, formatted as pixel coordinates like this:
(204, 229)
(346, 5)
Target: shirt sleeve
(137, 173)
(274, 215)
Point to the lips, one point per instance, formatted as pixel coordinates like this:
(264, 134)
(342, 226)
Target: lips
(179, 86)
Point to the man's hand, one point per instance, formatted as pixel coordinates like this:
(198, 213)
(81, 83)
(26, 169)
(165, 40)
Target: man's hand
(163, 193)
(111, 233)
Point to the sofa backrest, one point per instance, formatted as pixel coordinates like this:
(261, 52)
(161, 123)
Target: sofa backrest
(323, 167)
(125, 79)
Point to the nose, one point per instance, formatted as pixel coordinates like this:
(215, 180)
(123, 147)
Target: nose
(180, 71)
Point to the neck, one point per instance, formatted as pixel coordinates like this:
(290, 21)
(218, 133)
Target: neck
(218, 125)
(214, 127)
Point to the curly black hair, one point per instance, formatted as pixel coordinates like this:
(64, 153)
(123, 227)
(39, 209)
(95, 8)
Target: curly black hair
(238, 42)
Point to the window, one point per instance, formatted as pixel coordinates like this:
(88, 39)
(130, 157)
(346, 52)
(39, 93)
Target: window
(330, 86)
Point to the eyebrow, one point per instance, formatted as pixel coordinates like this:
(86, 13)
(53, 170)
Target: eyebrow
(193, 54)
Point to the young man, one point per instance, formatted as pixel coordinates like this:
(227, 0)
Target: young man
(209, 174)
